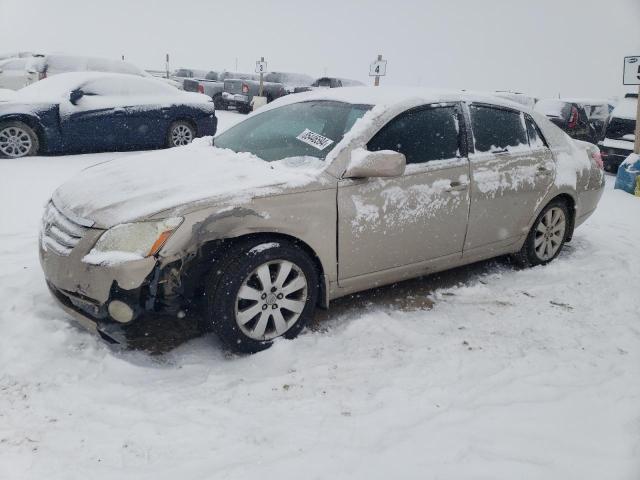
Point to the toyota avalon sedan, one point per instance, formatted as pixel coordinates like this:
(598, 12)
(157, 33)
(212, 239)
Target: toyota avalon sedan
(313, 197)
(94, 112)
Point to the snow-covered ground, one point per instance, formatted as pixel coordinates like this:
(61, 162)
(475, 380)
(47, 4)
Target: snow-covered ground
(486, 372)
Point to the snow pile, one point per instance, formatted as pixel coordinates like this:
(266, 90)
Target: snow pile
(128, 189)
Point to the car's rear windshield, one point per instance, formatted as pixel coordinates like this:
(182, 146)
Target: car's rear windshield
(553, 108)
(296, 130)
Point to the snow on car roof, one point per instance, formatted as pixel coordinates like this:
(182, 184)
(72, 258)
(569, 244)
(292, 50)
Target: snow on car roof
(390, 96)
(588, 101)
(53, 89)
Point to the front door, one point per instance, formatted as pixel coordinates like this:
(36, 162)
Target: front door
(386, 223)
(512, 171)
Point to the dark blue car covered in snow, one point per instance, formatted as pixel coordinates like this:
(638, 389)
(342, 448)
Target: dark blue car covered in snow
(94, 112)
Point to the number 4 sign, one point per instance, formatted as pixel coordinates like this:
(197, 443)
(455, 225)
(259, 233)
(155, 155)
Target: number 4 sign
(378, 68)
(631, 72)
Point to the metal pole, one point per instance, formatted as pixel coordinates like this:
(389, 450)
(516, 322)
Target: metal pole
(636, 145)
(166, 65)
(236, 64)
(376, 82)
(261, 83)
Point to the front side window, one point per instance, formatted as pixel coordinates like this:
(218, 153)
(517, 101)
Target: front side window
(421, 135)
(497, 130)
(295, 130)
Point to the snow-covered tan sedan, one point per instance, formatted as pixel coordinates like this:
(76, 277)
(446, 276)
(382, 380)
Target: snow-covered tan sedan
(313, 197)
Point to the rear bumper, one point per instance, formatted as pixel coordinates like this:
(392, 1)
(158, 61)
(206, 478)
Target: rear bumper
(613, 157)
(236, 99)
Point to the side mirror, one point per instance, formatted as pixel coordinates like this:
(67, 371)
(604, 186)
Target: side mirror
(384, 163)
(75, 96)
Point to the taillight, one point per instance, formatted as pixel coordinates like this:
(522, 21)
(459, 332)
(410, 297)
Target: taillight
(245, 88)
(200, 88)
(573, 119)
(596, 156)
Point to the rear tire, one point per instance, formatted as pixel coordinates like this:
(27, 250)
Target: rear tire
(219, 103)
(263, 290)
(180, 133)
(17, 139)
(547, 235)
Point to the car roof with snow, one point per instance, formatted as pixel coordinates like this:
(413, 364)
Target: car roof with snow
(394, 96)
(52, 89)
(626, 108)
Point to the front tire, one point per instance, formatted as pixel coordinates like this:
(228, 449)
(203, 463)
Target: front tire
(180, 133)
(17, 140)
(547, 235)
(264, 290)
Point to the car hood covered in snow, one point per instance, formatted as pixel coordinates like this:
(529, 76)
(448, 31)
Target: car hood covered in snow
(140, 186)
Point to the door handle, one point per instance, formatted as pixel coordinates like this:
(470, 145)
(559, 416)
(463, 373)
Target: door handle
(542, 170)
(455, 186)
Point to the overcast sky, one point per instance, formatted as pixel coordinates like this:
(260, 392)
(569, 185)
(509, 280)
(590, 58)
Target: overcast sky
(542, 47)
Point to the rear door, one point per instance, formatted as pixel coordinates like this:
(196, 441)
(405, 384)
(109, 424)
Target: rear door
(512, 170)
(387, 223)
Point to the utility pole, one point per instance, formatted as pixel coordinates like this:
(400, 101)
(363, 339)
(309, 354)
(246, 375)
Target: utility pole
(636, 145)
(236, 64)
(261, 77)
(166, 65)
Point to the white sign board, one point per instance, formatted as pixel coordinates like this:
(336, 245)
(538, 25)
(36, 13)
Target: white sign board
(631, 72)
(261, 67)
(378, 68)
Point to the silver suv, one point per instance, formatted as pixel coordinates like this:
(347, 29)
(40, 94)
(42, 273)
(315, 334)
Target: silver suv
(313, 197)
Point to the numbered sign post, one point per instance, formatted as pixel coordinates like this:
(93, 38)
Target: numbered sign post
(378, 69)
(261, 68)
(631, 76)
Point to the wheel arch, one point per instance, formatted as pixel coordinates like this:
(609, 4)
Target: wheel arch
(202, 262)
(31, 121)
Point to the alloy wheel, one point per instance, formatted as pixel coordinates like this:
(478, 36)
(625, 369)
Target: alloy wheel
(15, 142)
(181, 135)
(550, 233)
(271, 299)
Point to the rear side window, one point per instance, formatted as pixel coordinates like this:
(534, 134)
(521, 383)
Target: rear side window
(535, 138)
(421, 135)
(497, 130)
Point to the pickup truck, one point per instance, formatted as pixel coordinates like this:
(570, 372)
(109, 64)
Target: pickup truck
(238, 93)
(330, 82)
(213, 85)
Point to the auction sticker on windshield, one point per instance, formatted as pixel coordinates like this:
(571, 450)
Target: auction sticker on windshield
(314, 139)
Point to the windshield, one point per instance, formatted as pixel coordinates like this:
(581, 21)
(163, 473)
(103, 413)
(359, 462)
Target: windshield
(296, 130)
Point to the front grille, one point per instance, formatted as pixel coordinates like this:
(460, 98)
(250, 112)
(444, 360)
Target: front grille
(58, 233)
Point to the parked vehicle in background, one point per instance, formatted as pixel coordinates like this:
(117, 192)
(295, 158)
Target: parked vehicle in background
(296, 208)
(619, 134)
(239, 93)
(8, 55)
(20, 72)
(570, 117)
(597, 110)
(6, 94)
(518, 97)
(329, 82)
(213, 85)
(181, 74)
(15, 74)
(91, 112)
